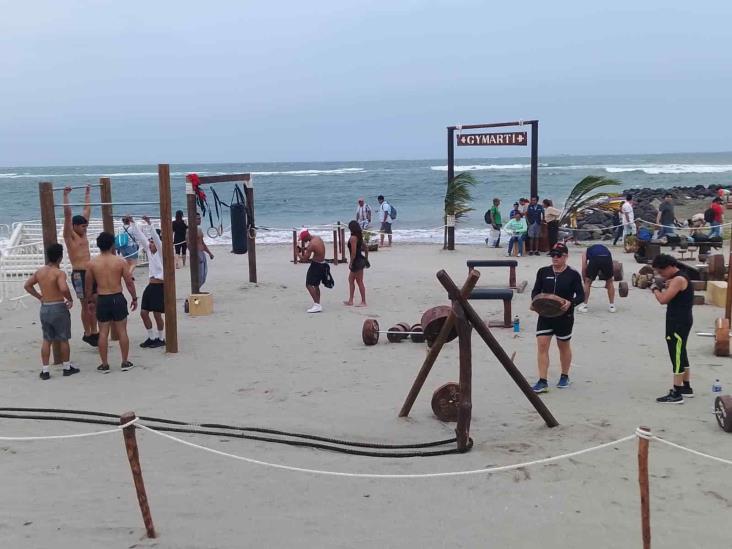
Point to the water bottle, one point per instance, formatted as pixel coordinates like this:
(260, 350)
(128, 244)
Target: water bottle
(517, 327)
(717, 387)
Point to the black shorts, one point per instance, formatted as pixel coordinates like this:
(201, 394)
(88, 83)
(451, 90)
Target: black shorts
(602, 266)
(180, 249)
(153, 298)
(560, 326)
(317, 273)
(78, 281)
(111, 308)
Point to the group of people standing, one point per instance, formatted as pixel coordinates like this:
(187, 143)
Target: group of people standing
(524, 224)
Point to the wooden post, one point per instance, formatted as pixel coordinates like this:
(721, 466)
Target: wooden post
(50, 236)
(728, 303)
(644, 488)
(166, 226)
(465, 405)
(450, 177)
(105, 193)
(434, 350)
(192, 237)
(251, 230)
(133, 456)
(512, 276)
(344, 240)
(335, 246)
(294, 246)
(454, 293)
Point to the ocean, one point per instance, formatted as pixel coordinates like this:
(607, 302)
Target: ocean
(310, 194)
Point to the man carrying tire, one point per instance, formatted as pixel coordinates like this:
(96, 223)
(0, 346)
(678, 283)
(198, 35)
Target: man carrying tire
(597, 262)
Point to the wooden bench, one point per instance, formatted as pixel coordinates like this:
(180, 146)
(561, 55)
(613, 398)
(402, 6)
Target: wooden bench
(504, 294)
(510, 263)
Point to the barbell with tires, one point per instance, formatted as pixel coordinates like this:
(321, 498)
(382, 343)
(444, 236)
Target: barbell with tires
(723, 412)
(617, 271)
(623, 289)
(370, 332)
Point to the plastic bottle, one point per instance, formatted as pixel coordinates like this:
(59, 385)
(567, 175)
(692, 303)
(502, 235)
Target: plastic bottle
(717, 387)
(516, 325)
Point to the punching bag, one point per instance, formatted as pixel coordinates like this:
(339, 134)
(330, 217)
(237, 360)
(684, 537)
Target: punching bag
(239, 225)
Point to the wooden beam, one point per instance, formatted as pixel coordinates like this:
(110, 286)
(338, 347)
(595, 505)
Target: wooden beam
(166, 226)
(225, 178)
(50, 236)
(133, 456)
(105, 192)
(192, 237)
(465, 406)
(251, 230)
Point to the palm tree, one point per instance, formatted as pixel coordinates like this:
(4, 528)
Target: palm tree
(457, 203)
(578, 198)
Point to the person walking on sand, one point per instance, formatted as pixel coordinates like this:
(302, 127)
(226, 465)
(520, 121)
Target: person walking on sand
(385, 218)
(313, 250)
(534, 219)
(202, 251)
(494, 214)
(716, 218)
(180, 237)
(597, 261)
(618, 227)
(153, 298)
(77, 246)
(677, 294)
(561, 280)
(628, 217)
(56, 301)
(666, 216)
(107, 271)
(516, 229)
(363, 214)
(359, 262)
(551, 215)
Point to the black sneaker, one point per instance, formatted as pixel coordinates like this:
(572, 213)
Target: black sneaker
(71, 371)
(88, 339)
(687, 392)
(147, 343)
(671, 398)
(127, 365)
(94, 340)
(103, 368)
(45, 375)
(157, 343)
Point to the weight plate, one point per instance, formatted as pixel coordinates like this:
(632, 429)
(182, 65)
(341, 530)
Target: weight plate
(370, 331)
(623, 289)
(723, 412)
(445, 402)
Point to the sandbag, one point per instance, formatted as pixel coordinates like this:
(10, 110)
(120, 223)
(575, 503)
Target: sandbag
(238, 228)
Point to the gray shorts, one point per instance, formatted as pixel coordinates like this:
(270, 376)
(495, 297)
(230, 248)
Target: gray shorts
(385, 227)
(534, 230)
(55, 321)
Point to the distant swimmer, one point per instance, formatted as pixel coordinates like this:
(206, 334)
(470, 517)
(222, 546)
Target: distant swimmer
(56, 301)
(77, 246)
(106, 272)
(363, 214)
(597, 262)
(319, 271)
(359, 262)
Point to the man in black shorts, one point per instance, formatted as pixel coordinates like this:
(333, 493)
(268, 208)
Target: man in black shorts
(597, 261)
(561, 280)
(314, 251)
(678, 296)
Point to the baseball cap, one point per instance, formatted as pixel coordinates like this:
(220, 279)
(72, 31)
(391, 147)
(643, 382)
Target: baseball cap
(304, 234)
(79, 220)
(558, 250)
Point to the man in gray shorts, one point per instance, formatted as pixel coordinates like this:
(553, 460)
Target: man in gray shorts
(56, 301)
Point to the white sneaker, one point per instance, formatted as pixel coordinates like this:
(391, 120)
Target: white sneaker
(611, 308)
(316, 308)
(583, 308)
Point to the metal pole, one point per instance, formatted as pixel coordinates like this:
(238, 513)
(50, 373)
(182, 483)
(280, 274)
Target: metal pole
(48, 220)
(166, 225)
(192, 237)
(644, 488)
(450, 177)
(106, 195)
(534, 158)
(133, 456)
(81, 186)
(81, 204)
(251, 239)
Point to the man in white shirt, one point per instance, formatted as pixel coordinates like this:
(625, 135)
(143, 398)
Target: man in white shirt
(363, 214)
(153, 298)
(385, 218)
(628, 217)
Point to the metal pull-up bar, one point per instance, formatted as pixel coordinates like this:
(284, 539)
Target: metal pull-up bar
(79, 204)
(78, 187)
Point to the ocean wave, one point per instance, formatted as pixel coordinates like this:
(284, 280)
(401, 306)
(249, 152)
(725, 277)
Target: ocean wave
(8, 175)
(656, 169)
(313, 172)
(479, 167)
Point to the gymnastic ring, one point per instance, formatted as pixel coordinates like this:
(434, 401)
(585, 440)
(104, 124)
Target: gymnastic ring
(252, 233)
(215, 234)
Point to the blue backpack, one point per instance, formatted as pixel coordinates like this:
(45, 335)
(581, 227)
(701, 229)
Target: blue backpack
(644, 234)
(121, 240)
(392, 212)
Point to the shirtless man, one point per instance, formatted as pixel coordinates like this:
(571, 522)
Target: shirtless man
(77, 246)
(55, 301)
(319, 271)
(106, 272)
(202, 251)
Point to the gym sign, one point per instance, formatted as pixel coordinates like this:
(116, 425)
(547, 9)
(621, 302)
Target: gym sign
(503, 138)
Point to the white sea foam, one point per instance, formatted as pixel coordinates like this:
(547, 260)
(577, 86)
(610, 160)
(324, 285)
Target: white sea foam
(480, 167)
(656, 169)
(313, 172)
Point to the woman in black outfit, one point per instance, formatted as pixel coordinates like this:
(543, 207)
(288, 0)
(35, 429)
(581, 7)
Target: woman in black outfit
(358, 263)
(180, 235)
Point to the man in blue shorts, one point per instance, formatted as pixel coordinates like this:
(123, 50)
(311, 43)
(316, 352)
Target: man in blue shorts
(534, 219)
(597, 262)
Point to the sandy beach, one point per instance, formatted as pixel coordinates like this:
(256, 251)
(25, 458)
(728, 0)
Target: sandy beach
(260, 360)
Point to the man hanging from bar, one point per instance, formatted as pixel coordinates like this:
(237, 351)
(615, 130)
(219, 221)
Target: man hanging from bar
(77, 248)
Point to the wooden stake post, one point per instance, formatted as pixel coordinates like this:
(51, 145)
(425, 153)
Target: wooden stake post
(644, 488)
(134, 458)
(166, 226)
(105, 193)
(192, 237)
(50, 236)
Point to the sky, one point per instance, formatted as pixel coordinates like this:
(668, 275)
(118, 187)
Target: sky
(133, 82)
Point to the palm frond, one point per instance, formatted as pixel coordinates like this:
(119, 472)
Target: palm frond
(458, 195)
(578, 195)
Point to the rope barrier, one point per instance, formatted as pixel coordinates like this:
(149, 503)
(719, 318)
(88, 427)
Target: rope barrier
(695, 452)
(77, 435)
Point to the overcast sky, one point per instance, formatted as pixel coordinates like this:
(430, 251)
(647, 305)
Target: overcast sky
(105, 82)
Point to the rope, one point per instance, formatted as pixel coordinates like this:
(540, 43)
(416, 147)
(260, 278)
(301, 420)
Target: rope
(77, 435)
(695, 452)
(387, 476)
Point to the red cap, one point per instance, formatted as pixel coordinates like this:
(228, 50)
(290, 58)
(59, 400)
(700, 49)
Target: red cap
(304, 234)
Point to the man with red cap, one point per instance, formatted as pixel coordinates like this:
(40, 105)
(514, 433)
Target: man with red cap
(313, 250)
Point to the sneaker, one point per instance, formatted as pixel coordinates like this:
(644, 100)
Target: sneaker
(71, 370)
(612, 308)
(583, 308)
(316, 308)
(563, 382)
(94, 340)
(88, 339)
(508, 254)
(103, 368)
(45, 375)
(147, 343)
(687, 392)
(126, 366)
(157, 343)
(671, 398)
(520, 255)
(541, 387)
